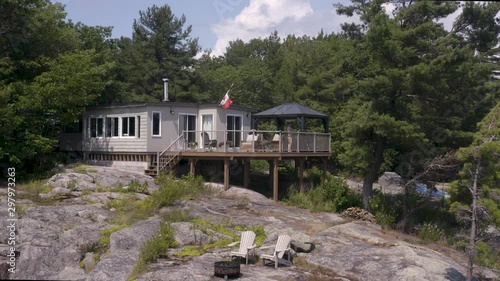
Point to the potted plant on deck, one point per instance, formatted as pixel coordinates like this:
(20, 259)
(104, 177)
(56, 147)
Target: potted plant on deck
(192, 144)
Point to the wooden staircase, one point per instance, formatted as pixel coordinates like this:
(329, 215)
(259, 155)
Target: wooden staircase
(164, 161)
(167, 163)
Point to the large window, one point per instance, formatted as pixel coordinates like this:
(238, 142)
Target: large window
(156, 124)
(96, 127)
(112, 127)
(234, 127)
(128, 126)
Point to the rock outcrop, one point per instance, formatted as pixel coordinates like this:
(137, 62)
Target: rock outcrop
(124, 250)
(56, 242)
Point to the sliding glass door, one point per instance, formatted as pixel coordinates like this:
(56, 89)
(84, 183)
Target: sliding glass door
(234, 129)
(187, 124)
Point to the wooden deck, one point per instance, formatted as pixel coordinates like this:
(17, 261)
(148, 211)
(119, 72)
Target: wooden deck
(272, 146)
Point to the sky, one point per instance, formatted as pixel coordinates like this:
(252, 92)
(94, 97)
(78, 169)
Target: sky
(217, 22)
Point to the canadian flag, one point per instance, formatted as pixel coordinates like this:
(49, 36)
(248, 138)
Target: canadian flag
(226, 101)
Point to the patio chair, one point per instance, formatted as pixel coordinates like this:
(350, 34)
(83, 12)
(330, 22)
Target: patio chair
(247, 246)
(282, 247)
(207, 142)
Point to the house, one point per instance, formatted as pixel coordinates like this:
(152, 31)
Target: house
(154, 137)
(130, 135)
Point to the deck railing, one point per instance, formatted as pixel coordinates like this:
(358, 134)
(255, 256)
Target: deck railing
(251, 141)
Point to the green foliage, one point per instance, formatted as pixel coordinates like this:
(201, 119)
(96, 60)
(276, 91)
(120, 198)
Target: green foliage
(81, 168)
(314, 174)
(104, 240)
(258, 167)
(135, 187)
(430, 232)
(154, 248)
(170, 190)
(176, 215)
(487, 256)
(483, 153)
(227, 229)
(332, 195)
(386, 208)
(72, 185)
(33, 189)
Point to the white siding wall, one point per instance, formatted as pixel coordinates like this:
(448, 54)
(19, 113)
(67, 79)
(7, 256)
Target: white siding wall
(121, 143)
(169, 124)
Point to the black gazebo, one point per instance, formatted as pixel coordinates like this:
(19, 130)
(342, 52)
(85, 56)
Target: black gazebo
(288, 111)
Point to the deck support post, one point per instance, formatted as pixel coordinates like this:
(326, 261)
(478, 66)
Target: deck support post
(301, 175)
(246, 173)
(226, 174)
(270, 174)
(324, 168)
(275, 179)
(192, 166)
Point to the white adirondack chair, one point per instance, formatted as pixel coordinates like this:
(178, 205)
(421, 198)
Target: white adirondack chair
(247, 246)
(282, 247)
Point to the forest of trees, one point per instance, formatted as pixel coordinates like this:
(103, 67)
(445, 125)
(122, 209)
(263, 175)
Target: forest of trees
(400, 89)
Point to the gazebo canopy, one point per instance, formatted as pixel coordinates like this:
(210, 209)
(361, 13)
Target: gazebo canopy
(290, 111)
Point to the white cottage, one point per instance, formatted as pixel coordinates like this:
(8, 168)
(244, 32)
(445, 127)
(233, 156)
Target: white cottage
(131, 134)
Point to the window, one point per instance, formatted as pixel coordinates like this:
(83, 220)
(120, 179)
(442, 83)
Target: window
(234, 127)
(112, 127)
(128, 126)
(156, 128)
(96, 127)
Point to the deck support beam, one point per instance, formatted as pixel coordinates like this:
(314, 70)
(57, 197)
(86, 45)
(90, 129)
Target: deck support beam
(246, 173)
(226, 174)
(275, 179)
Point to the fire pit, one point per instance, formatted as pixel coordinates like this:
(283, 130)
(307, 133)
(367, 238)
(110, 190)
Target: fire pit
(226, 269)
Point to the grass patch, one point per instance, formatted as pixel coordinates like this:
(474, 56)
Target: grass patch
(430, 232)
(154, 248)
(135, 187)
(170, 190)
(82, 168)
(177, 215)
(193, 251)
(32, 191)
(226, 229)
(72, 185)
(106, 234)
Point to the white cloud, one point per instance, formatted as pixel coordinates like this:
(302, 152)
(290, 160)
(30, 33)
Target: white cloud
(261, 17)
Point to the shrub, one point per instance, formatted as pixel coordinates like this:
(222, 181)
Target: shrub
(314, 174)
(430, 232)
(337, 191)
(487, 256)
(332, 195)
(386, 208)
(259, 166)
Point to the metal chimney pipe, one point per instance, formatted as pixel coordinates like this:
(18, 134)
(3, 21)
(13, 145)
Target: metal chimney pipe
(165, 89)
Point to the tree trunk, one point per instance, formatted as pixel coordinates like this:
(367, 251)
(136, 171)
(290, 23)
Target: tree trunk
(473, 227)
(372, 171)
